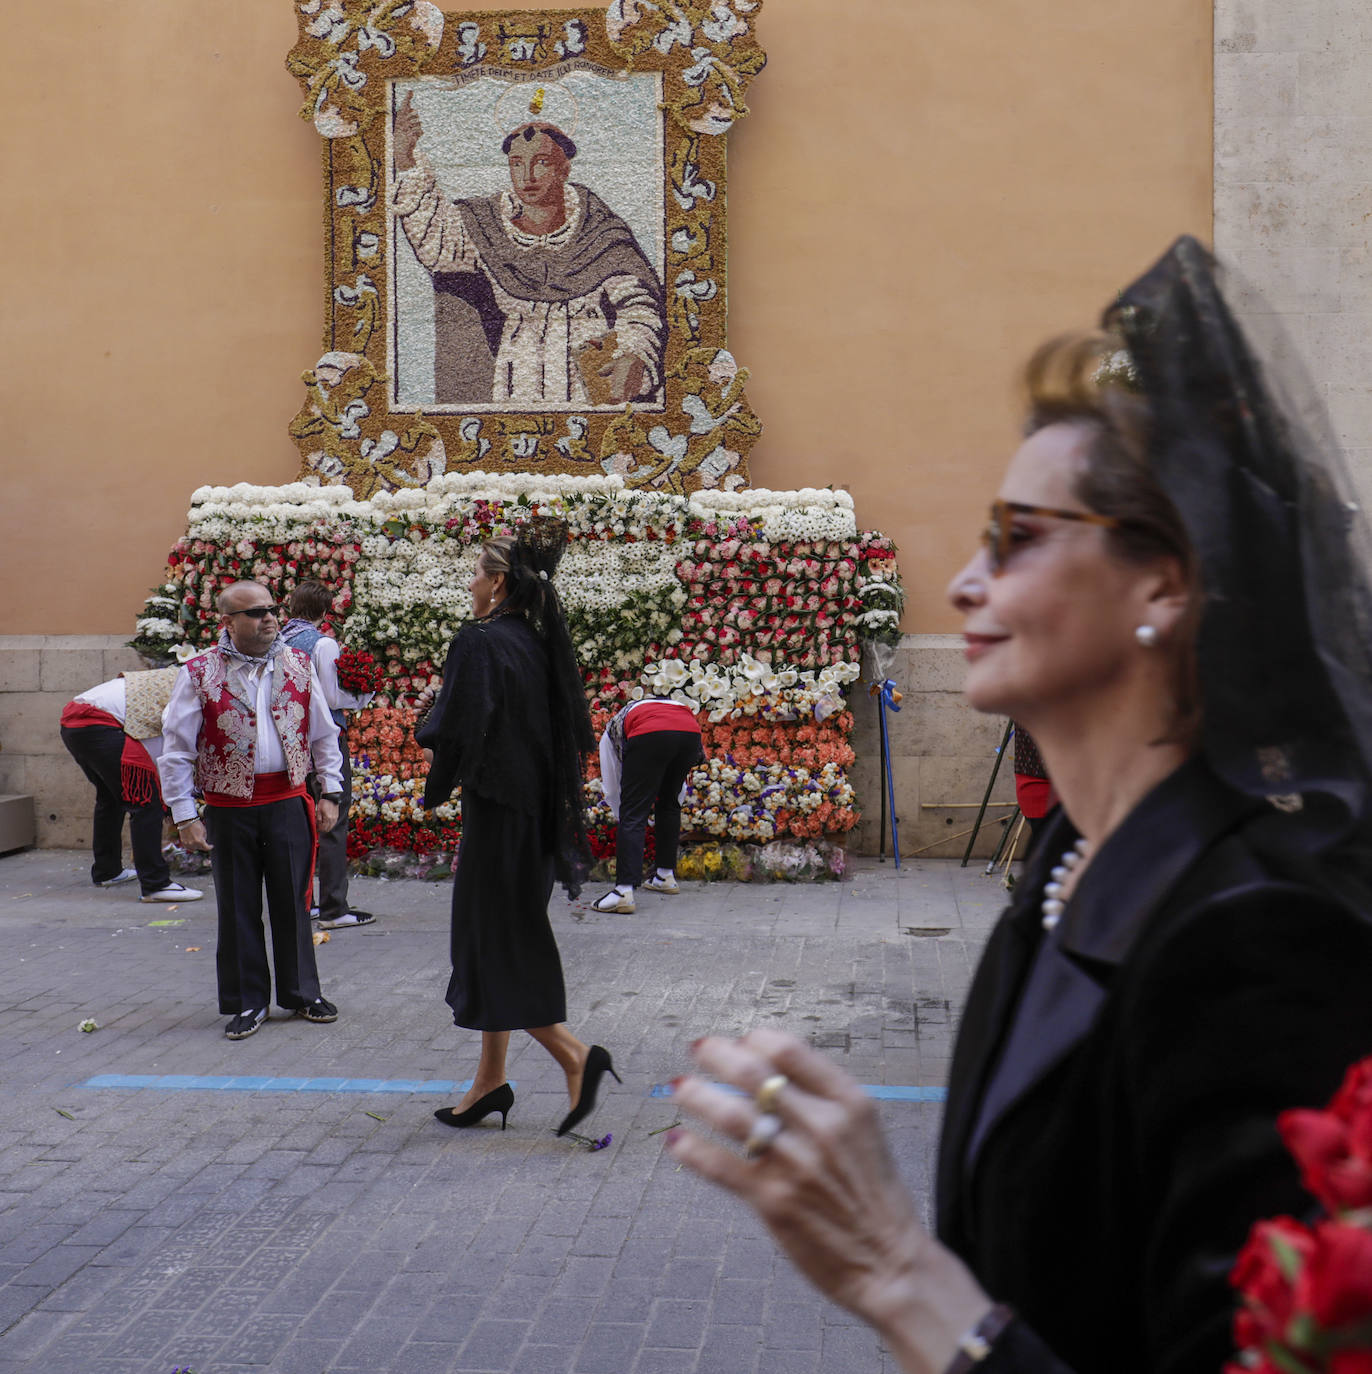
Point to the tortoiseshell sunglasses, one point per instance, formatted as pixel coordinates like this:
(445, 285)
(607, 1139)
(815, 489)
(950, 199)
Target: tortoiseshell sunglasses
(996, 535)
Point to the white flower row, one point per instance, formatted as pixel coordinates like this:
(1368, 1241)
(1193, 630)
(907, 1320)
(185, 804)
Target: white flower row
(749, 687)
(600, 577)
(808, 513)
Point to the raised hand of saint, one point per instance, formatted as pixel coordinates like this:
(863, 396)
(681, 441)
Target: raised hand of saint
(407, 132)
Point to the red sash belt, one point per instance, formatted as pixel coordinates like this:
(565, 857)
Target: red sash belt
(138, 781)
(77, 715)
(274, 787)
(266, 787)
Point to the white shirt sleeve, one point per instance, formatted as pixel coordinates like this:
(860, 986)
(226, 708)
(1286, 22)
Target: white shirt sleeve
(609, 772)
(328, 761)
(325, 660)
(108, 696)
(181, 723)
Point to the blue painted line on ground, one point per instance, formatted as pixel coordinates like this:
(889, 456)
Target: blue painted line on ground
(250, 1083)
(891, 1093)
(246, 1083)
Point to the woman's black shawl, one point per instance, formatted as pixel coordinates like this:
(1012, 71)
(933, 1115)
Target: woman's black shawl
(499, 729)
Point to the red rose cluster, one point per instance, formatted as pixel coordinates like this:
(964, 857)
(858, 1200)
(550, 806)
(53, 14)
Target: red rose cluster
(1307, 1290)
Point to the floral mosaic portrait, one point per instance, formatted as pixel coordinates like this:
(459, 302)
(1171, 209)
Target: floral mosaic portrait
(528, 244)
(525, 242)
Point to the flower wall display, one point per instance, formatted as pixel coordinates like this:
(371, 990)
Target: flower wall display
(748, 606)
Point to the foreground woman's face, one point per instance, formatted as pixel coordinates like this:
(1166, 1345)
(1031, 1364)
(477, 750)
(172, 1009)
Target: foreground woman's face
(1055, 624)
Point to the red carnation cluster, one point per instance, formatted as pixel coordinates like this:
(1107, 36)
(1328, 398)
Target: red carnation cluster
(365, 835)
(788, 601)
(1307, 1290)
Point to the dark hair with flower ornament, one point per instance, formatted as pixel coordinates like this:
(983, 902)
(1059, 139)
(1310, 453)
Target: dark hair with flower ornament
(528, 559)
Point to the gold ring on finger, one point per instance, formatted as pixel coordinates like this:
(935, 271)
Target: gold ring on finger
(760, 1139)
(765, 1099)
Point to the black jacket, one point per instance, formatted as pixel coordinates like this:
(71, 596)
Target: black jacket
(491, 726)
(1110, 1129)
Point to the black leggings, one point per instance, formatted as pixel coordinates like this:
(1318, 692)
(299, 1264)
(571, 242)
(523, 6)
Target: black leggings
(99, 750)
(655, 765)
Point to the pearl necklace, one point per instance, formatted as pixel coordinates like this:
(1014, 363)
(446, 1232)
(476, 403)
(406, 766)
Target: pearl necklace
(1053, 903)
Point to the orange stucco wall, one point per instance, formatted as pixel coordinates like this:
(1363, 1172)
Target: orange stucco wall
(921, 192)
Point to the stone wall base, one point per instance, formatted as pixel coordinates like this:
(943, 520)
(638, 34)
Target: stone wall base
(39, 674)
(942, 751)
(942, 754)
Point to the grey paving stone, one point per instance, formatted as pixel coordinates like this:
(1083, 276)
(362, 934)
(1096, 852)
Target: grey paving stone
(788, 1362)
(730, 1349)
(305, 1357)
(738, 1301)
(561, 1321)
(428, 1357)
(492, 1344)
(678, 1323)
(542, 1359)
(652, 1361)
(691, 1278)
(608, 1349)
(584, 1278)
(55, 1266)
(849, 1348)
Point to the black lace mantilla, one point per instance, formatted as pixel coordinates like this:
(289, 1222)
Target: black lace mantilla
(1285, 644)
(511, 721)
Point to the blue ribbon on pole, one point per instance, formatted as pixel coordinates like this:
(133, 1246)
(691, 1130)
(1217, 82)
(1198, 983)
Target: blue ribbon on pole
(889, 700)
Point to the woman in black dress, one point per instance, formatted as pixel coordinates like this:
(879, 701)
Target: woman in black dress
(1171, 599)
(510, 726)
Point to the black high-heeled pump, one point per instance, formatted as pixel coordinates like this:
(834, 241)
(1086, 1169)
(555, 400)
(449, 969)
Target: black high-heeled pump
(598, 1063)
(500, 1100)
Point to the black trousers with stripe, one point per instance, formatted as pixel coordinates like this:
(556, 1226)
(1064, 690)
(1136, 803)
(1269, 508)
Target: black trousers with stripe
(255, 848)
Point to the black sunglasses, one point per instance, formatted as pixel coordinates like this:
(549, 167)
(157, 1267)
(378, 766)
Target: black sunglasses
(996, 535)
(258, 612)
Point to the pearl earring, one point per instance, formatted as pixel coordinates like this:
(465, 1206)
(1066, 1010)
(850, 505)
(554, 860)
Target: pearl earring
(1147, 635)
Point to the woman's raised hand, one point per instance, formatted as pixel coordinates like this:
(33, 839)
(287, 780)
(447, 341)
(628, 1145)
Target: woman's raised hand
(826, 1187)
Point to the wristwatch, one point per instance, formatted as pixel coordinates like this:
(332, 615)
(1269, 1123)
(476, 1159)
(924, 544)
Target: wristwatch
(975, 1345)
(331, 796)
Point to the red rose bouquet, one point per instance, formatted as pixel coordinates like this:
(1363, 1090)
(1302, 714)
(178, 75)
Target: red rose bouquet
(359, 672)
(1307, 1290)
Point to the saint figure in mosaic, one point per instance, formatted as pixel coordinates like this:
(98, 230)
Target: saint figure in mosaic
(542, 295)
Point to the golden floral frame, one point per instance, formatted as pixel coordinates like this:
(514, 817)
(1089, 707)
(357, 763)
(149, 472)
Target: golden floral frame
(347, 55)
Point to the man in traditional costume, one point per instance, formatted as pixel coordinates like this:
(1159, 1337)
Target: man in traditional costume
(246, 722)
(114, 732)
(309, 604)
(542, 295)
